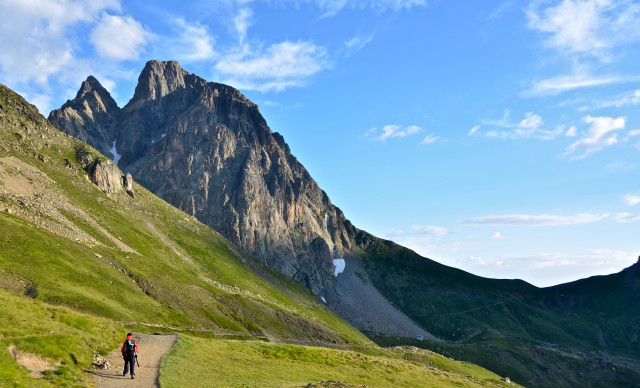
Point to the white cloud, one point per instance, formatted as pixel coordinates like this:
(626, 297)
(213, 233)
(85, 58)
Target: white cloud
(631, 199)
(627, 217)
(547, 269)
(277, 67)
(627, 99)
(392, 131)
(431, 230)
(357, 43)
(119, 37)
(529, 127)
(564, 83)
(586, 27)
(242, 21)
(395, 233)
(35, 36)
(501, 10)
(497, 236)
(536, 220)
(480, 261)
(572, 132)
(332, 7)
(429, 139)
(190, 42)
(598, 136)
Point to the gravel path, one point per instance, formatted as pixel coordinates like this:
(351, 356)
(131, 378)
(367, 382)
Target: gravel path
(152, 348)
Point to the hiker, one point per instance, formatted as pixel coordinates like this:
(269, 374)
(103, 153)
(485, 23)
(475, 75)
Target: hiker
(129, 353)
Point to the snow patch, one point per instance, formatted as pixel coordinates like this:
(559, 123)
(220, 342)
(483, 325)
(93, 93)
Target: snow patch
(323, 299)
(163, 135)
(339, 264)
(116, 155)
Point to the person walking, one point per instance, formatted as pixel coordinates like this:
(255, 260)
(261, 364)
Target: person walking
(129, 354)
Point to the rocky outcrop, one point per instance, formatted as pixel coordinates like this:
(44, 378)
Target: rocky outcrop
(103, 172)
(206, 149)
(128, 184)
(90, 117)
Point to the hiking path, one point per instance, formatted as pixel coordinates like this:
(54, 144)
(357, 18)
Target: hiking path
(152, 348)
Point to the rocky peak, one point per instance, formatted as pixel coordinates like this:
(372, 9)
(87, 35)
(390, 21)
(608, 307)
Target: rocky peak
(159, 79)
(90, 117)
(91, 88)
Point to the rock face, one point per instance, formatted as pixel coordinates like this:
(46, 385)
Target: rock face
(206, 149)
(103, 172)
(90, 117)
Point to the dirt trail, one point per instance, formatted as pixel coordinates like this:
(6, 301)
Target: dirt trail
(152, 348)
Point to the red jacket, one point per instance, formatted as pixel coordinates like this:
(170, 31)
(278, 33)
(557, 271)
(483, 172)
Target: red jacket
(125, 342)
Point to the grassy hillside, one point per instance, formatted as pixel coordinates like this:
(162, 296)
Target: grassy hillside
(80, 266)
(259, 364)
(582, 333)
(55, 339)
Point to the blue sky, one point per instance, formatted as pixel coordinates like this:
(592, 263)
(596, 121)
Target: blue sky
(500, 137)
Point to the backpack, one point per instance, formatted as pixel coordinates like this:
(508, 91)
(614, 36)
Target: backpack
(130, 348)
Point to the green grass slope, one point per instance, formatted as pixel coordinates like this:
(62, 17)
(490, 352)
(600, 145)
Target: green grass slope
(57, 339)
(259, 364)
(80, 266)
(581, 333)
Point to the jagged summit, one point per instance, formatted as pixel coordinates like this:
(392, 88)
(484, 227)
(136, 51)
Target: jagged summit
(90, 117)
(91, 86)
(159, 79)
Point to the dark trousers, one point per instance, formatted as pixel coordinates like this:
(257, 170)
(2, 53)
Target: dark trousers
(129, 362)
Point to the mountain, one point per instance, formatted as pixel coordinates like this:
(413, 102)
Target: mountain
(583, 333)
(74, 234)
(206, 149)
(91, 116)
(86, 255)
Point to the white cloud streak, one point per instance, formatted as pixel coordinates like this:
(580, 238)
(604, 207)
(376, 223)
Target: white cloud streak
(119, 37)
(564, 83)
(392, 131)
(190, 42)
(333, 7)
(357, 43)
(242, 22)
(531, 126)
(586, 27)
(625, 217)
(536, 220)
(627, 99)
(548, 269)
(35, 36)
(431, 230)
(430, 139)
(599, 135)
(274, 68)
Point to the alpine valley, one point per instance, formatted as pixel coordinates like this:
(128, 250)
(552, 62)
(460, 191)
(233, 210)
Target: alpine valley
(256, 251)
